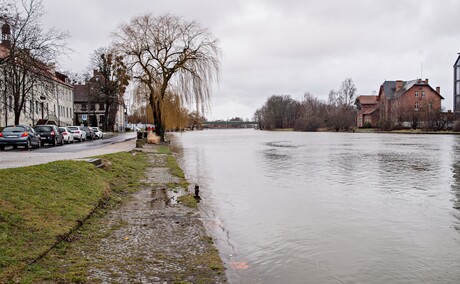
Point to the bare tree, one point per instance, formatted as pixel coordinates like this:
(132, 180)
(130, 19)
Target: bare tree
(348, 92)
(340, 110)
(169, 53)
(29, 51)
(108, 85)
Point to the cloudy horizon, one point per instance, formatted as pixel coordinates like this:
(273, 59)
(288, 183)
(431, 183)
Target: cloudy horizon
(289, 47)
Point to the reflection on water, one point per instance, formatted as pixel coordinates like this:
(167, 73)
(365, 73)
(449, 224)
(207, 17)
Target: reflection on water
(329, 207)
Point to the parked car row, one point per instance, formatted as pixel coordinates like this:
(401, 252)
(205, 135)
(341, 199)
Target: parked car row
(24, 135)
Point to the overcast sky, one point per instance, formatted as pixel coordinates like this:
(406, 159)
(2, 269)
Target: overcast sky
(289, 47)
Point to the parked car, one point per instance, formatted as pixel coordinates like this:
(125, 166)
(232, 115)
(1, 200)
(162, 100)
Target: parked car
(49, 134)
(98, 132)
(89, 132)
(78, 133)
(19, 135)
(68, 136)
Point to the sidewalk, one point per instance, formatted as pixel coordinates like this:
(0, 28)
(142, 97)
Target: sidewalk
(153, 239)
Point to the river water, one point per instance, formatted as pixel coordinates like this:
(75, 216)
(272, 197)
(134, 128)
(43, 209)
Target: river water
(291, 207)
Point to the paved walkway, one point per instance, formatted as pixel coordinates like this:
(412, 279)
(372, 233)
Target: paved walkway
(153, 239)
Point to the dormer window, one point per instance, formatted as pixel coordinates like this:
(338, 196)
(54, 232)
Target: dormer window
(416, 93)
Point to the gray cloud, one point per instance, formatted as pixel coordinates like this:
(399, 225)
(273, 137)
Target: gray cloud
(290, 46)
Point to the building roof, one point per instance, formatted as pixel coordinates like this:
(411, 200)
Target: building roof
(47, 70)
(457, 62)
(389, 87)
(367, 100)
(371, 110)
(80, 93)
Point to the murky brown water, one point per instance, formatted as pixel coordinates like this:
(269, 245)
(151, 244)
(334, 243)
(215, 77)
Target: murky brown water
(329, 207)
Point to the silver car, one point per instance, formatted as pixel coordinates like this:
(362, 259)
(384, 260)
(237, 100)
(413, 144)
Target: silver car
(19, 135)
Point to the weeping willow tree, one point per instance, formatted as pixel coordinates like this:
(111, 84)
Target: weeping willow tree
(175, 116)
(174, 113)
(169, 53)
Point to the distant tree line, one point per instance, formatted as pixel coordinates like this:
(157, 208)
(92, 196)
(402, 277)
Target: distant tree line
(337, 113)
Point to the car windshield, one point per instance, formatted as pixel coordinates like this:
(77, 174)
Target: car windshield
(62, 129)
(43, 128)
(14, 129)
(73, 128)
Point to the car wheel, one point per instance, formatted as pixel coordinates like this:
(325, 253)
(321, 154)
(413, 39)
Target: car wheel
(28, 145)
(62, 141)
(55, 142)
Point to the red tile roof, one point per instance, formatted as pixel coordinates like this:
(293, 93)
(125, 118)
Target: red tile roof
(367, 100)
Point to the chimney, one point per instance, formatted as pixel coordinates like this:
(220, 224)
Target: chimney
(426, 81)
(438, 90)
(399, 85)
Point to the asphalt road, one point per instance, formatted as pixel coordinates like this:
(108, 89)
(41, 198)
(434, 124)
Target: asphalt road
(13, 158)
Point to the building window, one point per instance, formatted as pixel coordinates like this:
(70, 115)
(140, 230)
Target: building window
(458, 87)
(416, 93)
(93, 107)
(101, 106)
(458, 72)
(416, 105)
(36, 107)
(430, 105)
(83, 107)
(31, 107)
(423, 94)
(10, 103)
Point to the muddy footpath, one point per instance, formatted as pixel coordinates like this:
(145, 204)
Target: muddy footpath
(153, 238)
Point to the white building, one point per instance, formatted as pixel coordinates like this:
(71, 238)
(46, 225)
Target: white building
(50, 97)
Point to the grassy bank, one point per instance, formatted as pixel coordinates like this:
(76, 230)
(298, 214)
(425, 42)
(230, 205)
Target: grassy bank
(40, 206)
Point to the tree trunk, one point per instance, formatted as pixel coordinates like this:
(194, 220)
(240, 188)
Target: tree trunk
(106, 117)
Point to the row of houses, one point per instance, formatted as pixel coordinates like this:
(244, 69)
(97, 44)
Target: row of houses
(52, 98)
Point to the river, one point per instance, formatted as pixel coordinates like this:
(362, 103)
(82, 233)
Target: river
(292, 207)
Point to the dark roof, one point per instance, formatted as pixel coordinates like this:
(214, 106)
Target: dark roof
(80, 93)
(457, 62)
(389, 87)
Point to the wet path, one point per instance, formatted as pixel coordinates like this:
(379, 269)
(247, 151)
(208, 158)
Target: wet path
(152, 239)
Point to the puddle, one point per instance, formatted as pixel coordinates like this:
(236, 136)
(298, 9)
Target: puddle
(155, 199)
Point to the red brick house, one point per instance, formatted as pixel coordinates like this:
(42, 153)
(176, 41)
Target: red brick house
(368, 111)
(403, 103)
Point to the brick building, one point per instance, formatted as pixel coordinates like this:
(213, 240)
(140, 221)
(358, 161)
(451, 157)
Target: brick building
(403, 103)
